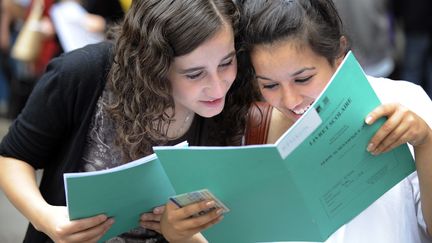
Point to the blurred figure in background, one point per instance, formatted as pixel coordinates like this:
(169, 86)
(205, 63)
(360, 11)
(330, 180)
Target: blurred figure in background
(4, 87)
(22, 74)
(82, 22)
(417, 60)
(368, 25)
(12, 15)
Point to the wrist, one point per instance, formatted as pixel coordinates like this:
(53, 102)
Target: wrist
(426, 142)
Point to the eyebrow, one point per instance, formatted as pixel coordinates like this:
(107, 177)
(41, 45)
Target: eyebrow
(291, 75)
(189, 70)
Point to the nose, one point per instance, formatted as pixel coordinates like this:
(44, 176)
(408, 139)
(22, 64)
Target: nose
(291, 98)
(217, 86)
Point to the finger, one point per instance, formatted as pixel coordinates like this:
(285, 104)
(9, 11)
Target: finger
(205, 226)
(380, 111)
(96, 238)
(152, 225)
(397, 136)
(150, 217)
(170, 206)
(393, 121)
(95, 232)
(211, 223)
(86, 223)
(408, 137)
(387, 146)
(172, 214)
(159, 210)
(182, 217)
(200, 221)
(194, 209)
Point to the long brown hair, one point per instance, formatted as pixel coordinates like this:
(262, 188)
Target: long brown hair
(152, 34)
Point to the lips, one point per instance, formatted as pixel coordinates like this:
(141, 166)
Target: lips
(213, 102)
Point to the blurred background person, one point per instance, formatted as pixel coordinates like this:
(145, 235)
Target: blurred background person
(18, 77)
(12, 14)
(369, 27)
(82, 22)
(417, 59)
(22, 74)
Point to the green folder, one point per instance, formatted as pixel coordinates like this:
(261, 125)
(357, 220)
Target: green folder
(313, 180)
(123, 192)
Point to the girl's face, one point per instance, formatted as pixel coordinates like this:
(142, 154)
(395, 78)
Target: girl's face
(200, 79)
(291, 76)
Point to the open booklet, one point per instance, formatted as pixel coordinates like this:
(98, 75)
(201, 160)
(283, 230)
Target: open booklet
(123, 192)
(313, 180)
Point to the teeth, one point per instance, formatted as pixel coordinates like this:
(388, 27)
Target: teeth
(301, 111)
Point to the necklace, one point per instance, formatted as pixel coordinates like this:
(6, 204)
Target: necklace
(182, 129)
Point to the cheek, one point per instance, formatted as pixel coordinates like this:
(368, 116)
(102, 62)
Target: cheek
(176, 82)
(230, 74)
(269, 96)
(182, 89)
(316, 90)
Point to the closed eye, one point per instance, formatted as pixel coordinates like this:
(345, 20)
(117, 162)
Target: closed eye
(227, 63)
(269, 86)
(194, 75)
(303, 80)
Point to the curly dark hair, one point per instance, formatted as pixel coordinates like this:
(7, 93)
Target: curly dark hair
(152, 34)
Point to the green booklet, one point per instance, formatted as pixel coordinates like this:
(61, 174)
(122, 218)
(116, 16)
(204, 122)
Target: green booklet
(313, 180)
(123, 192)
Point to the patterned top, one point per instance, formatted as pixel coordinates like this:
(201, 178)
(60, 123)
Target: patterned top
(100, 153)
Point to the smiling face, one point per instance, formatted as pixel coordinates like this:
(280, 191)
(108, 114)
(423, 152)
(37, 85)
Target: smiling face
(291, 76)
(201, 79)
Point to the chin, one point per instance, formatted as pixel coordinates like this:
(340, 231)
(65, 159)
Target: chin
(296, 117)
(210, 113)
(291, 116)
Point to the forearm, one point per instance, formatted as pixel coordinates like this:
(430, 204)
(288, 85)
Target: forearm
(18, 181)
(424, 171)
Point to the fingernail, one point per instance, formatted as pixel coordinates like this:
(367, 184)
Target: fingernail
(220, 218)
(211, 203)
(111, 221)
(368, 119)
(370, 147)
(219, 211)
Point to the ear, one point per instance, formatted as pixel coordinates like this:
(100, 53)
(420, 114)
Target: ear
(342, 50)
